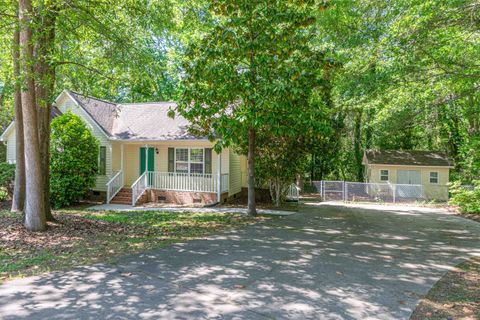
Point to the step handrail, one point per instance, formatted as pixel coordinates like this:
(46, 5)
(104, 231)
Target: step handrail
(114, 185)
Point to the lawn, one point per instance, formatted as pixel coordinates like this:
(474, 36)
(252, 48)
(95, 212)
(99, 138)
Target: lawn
(84, 237)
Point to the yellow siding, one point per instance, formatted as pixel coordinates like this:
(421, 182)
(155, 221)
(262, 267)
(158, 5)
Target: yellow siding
(432, 191)
(65, 104)
(235, 183)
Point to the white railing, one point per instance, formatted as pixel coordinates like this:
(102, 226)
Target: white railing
(139, 187)
(114, 185)
(293, 192)
(192, 182)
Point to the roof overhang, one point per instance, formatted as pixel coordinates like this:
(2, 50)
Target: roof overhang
(5, 133)
(409, 165)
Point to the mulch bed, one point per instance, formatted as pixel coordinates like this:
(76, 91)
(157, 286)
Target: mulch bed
(66, 232)
(455, 296)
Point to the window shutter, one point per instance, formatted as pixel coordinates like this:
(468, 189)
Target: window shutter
(208, 160)
(171, 159)
(102, 165)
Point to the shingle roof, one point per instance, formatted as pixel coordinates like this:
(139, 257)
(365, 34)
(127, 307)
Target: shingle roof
(136, 121)
(409, 158)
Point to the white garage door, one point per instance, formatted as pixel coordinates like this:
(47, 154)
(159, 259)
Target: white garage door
(409, 177)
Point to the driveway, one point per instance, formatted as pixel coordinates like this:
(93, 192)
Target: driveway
(326, 262)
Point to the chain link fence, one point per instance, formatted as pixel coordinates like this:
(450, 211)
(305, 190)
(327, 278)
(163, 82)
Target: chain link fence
(379, 192)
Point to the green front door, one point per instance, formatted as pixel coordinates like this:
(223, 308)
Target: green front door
(143, 161)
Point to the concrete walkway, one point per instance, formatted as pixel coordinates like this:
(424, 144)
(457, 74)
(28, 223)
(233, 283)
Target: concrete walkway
(124, 207)
(327, 262)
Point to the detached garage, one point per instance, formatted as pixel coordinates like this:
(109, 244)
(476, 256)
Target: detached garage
(426, 168)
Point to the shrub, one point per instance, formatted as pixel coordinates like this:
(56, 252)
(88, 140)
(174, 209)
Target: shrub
(7, 175)
(73, 160)
(467, 199)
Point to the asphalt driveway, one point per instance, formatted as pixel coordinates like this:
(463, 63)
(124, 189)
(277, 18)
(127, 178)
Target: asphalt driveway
(327, 262)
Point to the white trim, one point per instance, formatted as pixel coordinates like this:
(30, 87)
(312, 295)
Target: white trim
(188, 159)
(4, 134)
(408, 165)
(380, 175)
(430, 177)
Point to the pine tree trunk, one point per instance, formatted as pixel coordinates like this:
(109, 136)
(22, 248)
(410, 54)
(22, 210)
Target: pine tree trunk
(252, 211)
(45, 75)
(19, 187)
(34, 202)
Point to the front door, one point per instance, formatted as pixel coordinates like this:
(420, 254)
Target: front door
(144, 160)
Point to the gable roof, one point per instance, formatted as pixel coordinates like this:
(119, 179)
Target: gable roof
(135, 121)
(407, 158)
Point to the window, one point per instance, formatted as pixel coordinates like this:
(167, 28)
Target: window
(433, 177)
(383, 175)
(196, 161)
(102, 161)
(181, 160)
(189, 160)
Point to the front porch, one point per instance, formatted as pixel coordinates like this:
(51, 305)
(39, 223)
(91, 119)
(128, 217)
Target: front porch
(178, 172)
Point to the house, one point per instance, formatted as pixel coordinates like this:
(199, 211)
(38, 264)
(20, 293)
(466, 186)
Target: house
(427, 169)
(147, 156)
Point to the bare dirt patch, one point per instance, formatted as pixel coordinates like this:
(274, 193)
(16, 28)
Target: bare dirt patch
(455, 296)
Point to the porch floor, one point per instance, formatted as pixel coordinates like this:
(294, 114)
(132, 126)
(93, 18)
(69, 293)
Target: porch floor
(170, 208)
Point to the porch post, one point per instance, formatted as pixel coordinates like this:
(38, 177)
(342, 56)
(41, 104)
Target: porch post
(146, 164)
(219, 176)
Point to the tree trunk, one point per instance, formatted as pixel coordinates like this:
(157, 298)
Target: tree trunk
(45, 76)
(19, 187)
(357, 146)
(34, 202)
(252, 211)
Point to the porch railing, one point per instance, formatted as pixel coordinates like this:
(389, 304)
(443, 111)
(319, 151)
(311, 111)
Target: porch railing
(114, 185)
(139, 187)
(191, 182)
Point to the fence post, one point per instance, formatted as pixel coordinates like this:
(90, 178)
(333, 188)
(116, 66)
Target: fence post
(394, 188)
(345, 191)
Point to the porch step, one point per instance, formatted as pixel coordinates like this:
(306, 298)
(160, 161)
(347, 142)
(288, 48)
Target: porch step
(124, 196)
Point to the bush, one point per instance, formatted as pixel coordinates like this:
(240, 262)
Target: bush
(7, 175)
(73, 160)
(467, 199)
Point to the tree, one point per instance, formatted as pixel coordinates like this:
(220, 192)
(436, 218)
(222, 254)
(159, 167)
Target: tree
(244, 75)
(18, 199)
(73, 160)
(35, 219)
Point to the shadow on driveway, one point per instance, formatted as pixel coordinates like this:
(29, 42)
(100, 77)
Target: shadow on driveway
(328, 262)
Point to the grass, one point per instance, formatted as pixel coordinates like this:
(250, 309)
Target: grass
(84, 237)
(455, 296)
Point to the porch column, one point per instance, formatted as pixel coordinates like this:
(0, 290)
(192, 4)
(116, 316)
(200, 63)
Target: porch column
(219, 176)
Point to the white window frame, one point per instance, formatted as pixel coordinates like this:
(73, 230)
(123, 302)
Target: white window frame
(380, 175)
(430, 177)
(189, 161)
